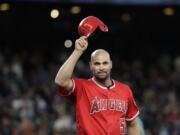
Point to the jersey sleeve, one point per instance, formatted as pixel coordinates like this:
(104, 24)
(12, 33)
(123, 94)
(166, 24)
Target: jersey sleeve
(77, 86)
(132, 111)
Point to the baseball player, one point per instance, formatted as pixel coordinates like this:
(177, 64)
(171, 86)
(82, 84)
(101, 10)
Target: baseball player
(103, 105)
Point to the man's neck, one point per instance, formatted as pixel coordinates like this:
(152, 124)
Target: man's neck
(104, 82)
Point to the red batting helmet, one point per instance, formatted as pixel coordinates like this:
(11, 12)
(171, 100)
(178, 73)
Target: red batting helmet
(89, 24)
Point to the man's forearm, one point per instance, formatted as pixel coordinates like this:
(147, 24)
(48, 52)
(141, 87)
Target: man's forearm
(66, 70)
(134, 128)
(63, 77)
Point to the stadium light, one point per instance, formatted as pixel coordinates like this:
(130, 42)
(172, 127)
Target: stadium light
(54, 13)
(126, 17)
(75, 10)
(4, 7)
(168, 11)
(68, 43)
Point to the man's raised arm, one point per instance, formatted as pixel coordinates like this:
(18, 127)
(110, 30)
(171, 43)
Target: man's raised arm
(63, 77)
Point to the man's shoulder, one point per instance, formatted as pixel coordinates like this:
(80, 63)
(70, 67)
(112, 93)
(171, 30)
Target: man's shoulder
(85, 80)
(123, 87)
(82, 82)
(122, 84)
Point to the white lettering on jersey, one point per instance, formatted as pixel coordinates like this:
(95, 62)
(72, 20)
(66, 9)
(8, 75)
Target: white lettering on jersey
(108, 104)
(123, 126)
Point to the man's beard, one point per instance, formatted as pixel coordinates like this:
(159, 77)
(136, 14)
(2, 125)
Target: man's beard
(102, 76)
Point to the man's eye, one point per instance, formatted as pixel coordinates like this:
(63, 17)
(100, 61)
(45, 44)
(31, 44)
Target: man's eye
(96, 63)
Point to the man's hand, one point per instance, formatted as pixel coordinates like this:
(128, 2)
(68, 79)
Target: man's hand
(81, 44)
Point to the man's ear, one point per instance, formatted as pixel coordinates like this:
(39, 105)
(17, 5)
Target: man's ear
(111, 64)
(90, 65)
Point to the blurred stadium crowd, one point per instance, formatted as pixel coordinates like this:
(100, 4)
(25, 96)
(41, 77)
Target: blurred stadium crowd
(143, 44)
(30, 106)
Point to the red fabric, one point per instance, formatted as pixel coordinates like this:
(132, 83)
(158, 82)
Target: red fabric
(101, 111)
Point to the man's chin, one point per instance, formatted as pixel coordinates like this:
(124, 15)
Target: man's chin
(101, 77)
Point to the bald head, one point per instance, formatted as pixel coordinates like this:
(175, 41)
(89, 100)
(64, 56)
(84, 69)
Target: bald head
(100, 64)
(100, 52)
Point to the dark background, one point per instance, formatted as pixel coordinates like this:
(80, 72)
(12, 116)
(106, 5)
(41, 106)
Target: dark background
(144, 50)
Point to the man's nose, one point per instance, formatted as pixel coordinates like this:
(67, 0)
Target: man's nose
(101, 67)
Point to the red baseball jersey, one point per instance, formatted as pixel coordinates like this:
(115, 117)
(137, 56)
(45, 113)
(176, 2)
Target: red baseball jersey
(101, 110)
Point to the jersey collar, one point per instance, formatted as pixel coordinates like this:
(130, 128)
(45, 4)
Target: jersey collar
(103, 87)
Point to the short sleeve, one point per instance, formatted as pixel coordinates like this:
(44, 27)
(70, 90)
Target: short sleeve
(62, 92)
(132, 111)
(77, 86)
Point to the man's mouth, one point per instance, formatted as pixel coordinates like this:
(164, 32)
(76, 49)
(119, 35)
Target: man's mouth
(101, 72)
